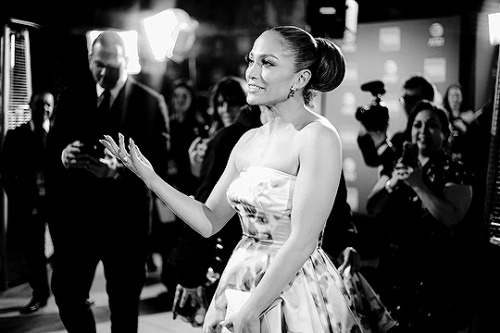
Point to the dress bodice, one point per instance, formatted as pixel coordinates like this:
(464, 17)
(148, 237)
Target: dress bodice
(262, 197)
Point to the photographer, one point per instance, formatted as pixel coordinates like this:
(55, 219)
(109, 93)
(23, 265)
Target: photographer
(418, 206)
(373, 140)
(84, 179)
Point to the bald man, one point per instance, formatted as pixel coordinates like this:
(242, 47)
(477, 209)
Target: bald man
(87, 180)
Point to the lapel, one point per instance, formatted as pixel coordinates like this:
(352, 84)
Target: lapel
(120, 105)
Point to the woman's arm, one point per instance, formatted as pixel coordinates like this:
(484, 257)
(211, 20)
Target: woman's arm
(448, 208)
(205, 219)
(378, 196)
(315, 189)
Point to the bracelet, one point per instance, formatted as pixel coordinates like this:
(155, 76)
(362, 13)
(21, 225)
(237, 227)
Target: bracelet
(382, 144)
(388, 186)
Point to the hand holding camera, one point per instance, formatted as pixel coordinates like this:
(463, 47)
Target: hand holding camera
(93, 158)
(375, 116)
(410, 155)
(197, 151)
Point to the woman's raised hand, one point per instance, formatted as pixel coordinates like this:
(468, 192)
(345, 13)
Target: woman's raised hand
(132, 159)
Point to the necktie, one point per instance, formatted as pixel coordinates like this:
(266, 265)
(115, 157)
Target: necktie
(104, 103)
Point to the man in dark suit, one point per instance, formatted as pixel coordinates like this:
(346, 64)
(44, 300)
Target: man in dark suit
(23, 167)
(88, 180)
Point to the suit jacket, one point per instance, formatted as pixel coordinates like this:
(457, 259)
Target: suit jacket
(22, 163)
(83, 203)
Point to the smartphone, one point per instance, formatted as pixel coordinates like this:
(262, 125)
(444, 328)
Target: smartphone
(410, 154)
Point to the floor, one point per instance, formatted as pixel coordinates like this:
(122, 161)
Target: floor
(155, 316)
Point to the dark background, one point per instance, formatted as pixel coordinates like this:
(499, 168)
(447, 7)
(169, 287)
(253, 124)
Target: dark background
(59, 46)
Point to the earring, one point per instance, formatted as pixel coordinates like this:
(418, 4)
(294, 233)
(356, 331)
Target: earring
(292, 92)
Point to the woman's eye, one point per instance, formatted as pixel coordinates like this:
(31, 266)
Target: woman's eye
(248, 60)
(266, 63)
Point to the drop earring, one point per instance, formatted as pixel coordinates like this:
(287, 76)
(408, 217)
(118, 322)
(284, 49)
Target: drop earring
(292, 92)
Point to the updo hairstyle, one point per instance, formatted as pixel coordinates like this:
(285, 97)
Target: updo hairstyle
(319, 55)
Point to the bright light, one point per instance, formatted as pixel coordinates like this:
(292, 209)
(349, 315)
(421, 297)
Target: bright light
(170, 33)
(351, 16)
(162, 33)
(130, 37)
(327, 10)
(494, 28)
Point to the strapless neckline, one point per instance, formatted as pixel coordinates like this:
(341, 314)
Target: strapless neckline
(263, 167)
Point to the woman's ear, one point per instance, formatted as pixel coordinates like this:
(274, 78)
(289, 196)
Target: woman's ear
(303, 78)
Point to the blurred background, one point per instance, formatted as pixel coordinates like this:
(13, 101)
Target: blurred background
(47, 44)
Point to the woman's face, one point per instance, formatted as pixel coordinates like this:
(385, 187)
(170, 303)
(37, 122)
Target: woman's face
(427, 133)
(228, 113)
(271, 71)
(455, 98)
(181, 99)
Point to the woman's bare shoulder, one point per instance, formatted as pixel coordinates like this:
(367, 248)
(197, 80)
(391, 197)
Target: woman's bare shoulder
(319, 126)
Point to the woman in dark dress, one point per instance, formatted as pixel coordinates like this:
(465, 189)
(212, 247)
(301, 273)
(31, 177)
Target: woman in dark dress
(418, 205)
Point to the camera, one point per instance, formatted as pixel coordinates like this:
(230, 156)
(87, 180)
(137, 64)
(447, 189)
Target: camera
(93, 149)
(375, 116)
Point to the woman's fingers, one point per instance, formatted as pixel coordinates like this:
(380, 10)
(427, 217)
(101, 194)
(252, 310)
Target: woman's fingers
(194, 144)
(123, 150)
(228, 325)
(134, 151)
(109, 143)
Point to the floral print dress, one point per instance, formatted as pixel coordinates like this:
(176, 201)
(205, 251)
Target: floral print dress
(316, 300)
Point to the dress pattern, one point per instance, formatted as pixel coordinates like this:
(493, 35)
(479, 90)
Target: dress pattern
(316, 300)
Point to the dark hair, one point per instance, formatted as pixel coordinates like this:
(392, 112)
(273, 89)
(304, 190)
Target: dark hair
(319, 55)
(191, 112)
(232, 90)
(430, 106)
(446, 103)
(185, 84)
(418, 81)
(107, 38)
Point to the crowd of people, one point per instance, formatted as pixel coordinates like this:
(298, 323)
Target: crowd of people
(246, 201)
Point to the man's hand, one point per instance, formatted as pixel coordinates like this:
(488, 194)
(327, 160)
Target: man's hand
(75, 156)
(70, 153)
(197, 296)
(350, 258)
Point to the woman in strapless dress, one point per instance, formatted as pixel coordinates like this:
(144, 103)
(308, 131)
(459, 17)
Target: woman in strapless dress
(281, 179)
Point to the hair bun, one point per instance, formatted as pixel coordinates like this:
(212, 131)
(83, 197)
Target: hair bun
(330, 66)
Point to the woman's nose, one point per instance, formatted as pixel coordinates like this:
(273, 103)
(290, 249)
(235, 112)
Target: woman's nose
(222, 107)
(252, 71)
